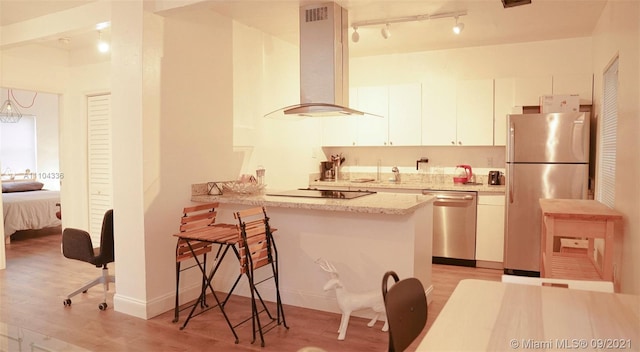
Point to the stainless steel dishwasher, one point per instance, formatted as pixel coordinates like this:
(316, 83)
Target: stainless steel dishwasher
(454, 227)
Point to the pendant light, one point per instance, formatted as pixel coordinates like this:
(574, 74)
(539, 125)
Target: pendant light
(9, 113)
(10, 110)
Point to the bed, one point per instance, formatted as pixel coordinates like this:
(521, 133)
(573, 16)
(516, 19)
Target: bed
(26, 206)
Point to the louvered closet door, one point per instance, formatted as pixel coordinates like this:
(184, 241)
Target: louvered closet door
(100, 169)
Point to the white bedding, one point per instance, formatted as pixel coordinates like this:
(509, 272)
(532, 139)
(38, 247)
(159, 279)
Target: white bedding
(32, 210)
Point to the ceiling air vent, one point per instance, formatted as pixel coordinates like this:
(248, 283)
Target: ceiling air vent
(317, 14)
(512, 3)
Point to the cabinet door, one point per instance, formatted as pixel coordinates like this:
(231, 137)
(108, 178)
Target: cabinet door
(581, 84)
(373, 131)
(529, 89)
(504, 101)
(439, 111)
(490, 228)
(405, 115)
(341, 131)
(474, 123)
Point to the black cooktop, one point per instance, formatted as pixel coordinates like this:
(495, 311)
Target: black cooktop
(321, 193)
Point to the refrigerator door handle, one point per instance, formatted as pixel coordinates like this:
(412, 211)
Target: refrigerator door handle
(511, 142)
(510, 181)
(578, 138)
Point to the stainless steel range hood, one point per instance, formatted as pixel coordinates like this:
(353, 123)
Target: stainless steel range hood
(324, 64)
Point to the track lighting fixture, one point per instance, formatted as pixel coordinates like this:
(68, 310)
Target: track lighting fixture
(457, 29)
(355, 36)
(386, 33)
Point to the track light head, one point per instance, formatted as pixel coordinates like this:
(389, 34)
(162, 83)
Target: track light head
(385, 32)
(457, 29)
(103, 46)
(355, 37)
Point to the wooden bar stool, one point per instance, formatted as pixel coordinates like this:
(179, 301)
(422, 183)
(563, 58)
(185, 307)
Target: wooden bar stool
(257, 249)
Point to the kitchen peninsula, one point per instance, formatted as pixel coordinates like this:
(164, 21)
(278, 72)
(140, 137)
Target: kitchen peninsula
(362, 237)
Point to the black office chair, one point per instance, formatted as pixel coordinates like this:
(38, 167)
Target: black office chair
(406, 306)
(76, 244)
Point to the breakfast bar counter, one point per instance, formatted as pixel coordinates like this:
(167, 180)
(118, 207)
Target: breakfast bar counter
(363, 238)
(377, 203)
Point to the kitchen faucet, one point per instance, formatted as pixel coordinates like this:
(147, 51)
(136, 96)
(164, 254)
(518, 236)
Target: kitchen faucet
(396, 174)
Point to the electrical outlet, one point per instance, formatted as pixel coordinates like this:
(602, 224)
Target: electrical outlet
(314, 154)
(490, 161)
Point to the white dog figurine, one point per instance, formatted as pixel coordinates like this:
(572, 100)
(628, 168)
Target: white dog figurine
(349, 301)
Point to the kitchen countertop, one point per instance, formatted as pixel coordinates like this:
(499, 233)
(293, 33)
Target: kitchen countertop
(378, 203)
(409, 185)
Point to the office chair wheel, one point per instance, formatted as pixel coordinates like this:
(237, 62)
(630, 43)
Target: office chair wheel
(85, 291)
(67, 302)
(102, 306)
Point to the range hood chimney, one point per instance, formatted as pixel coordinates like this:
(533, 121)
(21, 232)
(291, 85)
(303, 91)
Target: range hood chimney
(324, 64)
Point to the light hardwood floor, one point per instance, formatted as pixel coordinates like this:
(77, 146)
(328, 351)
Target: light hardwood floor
(33, 287)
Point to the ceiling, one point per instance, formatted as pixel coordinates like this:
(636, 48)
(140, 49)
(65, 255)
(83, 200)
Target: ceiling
(487, 22)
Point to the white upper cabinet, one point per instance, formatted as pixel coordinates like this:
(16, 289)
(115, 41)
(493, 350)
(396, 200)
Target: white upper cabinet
(458, 113)
(373, 131)
(439, 111)
(529, 89)
(400, 108)
(340, 131)
(474, 123)
(405, 114)
(581, 84)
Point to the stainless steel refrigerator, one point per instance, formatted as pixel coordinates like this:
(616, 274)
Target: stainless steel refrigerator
(547, 157)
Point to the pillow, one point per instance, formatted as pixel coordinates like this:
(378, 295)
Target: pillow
(21, 186)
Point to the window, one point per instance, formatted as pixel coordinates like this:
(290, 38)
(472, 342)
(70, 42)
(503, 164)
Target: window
(18, 145)
(606, 191)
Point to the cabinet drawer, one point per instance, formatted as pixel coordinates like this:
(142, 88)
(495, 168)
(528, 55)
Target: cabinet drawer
(491, 199)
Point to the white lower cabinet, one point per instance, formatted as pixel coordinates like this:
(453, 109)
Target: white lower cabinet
(490, 228)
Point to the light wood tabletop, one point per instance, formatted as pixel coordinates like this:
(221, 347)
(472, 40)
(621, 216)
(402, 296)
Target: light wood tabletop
(495, 316)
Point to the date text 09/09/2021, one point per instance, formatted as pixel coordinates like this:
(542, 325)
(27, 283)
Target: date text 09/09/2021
(569, 344)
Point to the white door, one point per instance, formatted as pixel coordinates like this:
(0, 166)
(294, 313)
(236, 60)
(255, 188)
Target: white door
(99, 155)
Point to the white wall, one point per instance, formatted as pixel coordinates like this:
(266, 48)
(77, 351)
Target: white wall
(267, 78)
(82, 81)
(618, 34)
(568, 56)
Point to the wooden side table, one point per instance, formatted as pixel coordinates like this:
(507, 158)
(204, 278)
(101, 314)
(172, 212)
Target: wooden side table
(577, 218)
